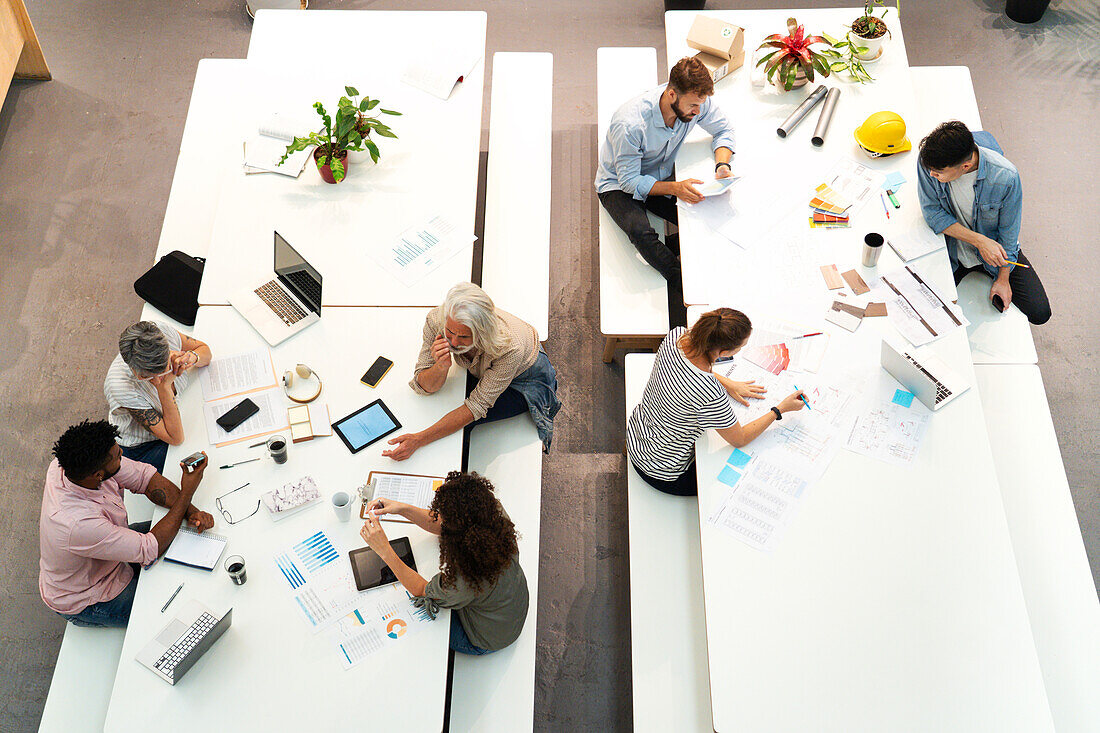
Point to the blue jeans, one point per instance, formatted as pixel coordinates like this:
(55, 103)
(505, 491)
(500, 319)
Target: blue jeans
(155, 452)
(116, 611)
(460, 642)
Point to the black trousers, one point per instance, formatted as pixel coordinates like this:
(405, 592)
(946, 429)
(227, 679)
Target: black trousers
(683, 485)
(664, 257)
(1028, 293)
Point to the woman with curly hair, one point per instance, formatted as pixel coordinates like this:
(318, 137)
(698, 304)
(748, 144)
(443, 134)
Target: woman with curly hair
(480, 577)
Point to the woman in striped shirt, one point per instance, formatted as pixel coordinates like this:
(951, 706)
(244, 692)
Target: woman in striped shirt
(684, 398)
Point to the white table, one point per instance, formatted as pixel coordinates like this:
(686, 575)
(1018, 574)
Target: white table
(893, 601)
(215, 210)
(269, 671)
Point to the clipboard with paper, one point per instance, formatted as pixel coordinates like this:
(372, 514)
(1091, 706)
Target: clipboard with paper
(410, 488)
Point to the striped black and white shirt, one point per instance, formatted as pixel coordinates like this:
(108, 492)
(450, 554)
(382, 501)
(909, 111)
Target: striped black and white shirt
(679, 404)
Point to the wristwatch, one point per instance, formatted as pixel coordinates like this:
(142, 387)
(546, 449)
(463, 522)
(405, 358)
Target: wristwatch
(778, 414)
(719, 165)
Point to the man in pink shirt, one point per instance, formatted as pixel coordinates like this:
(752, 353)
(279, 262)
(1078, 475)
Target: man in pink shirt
(90, 557)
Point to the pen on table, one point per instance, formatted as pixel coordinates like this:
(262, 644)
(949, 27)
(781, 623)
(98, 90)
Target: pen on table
(257, 445)
(1018, 264)
(882, 197)
(803, 398)
(171, 598)
(806, 335)
(230, 465)
(893, 200)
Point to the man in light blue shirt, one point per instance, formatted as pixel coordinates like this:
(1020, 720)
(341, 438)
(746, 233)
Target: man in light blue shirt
(638, 154)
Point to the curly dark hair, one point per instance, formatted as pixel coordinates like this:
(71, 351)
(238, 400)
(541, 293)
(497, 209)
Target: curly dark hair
(477, 540)
(85, 448)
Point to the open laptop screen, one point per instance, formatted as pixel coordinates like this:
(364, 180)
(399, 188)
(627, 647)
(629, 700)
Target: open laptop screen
(297, 274)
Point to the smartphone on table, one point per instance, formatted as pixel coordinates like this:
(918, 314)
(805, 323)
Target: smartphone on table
(377, 370)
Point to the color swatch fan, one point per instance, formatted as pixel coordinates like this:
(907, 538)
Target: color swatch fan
(774, 357)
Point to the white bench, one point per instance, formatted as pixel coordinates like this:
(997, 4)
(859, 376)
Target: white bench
(82, 680)
(1050, 554)
(516, 247)
(668, 635)
(496, 692)
(633, 296)
(947, 93)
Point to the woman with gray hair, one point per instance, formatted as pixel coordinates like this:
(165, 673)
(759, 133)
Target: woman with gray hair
(153, 365)
(513, 373)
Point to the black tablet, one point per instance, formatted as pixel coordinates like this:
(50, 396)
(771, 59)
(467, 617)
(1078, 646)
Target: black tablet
(371, 571)
(366, 426)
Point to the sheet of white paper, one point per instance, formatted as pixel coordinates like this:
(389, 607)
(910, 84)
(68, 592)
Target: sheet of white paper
(889, 432)
(760, 505)
(420, 249)
(844, 319)
(808, 352)
(805, 442)
(264, 153)
(437, 71)
(415, 490)
(271, 417)
(318, 578)
(236, 374)
(382, 618)
(920, 313)
(741, 370)
(855, 182)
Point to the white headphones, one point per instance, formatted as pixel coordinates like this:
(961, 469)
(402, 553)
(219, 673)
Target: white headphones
(305, 373)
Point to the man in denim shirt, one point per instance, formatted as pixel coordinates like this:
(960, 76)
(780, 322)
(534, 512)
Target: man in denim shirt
(638, 154)
(971, 194)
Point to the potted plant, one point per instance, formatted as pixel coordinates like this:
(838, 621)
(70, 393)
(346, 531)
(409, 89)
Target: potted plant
(350, 132)
(871, 30)
(793, 62)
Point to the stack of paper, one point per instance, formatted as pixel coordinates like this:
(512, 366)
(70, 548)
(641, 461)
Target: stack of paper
(264, 150)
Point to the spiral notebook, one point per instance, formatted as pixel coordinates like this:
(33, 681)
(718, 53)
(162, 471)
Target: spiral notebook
(196, 550)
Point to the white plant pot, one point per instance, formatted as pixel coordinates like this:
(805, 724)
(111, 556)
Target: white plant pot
(874, 46)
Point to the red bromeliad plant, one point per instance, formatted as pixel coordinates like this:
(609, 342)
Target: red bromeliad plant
(792, 54)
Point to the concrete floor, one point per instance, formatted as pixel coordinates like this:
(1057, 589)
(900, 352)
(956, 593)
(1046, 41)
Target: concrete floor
(86, 163)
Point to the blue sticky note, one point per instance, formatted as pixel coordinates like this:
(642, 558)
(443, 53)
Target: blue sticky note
(739, 458)
(903, 398)
(728, 476)
(893, 181)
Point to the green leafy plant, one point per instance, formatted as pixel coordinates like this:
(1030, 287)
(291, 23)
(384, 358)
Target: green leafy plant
(844, 56)
(350, 131)
(792, 53)
(869, 25)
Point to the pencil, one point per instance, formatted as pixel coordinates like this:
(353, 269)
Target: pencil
(882, 198)
(1018, 264)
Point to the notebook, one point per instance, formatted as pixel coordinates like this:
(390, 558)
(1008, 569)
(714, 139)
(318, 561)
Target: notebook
(196, 550)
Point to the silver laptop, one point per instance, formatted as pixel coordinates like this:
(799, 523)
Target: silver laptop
(184, 640)
(281, 307)
(932, 381)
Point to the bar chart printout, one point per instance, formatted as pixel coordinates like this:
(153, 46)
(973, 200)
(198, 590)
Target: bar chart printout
(421, 248)
(322, 588)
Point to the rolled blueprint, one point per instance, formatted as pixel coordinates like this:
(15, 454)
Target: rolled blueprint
(801, 111)
(826, 117)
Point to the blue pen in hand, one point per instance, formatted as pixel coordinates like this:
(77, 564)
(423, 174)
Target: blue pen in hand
(803, 398)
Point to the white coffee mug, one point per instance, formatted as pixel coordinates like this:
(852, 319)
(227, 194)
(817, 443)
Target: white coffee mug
(341, 504)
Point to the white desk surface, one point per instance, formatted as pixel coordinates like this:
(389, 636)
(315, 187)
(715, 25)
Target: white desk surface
(242, 682)
(893, 601)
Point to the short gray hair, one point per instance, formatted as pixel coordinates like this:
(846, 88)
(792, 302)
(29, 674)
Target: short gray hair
(472, 307)
(144, 349)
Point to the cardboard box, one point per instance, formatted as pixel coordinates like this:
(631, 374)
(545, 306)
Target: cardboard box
(717, 38)
(719, 67)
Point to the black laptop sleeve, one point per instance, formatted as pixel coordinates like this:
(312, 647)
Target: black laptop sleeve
(172, 286)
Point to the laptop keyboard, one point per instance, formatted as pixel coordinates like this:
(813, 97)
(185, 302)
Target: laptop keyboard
(277, 300)
(942, 392)
(185, 644)
(305, 284)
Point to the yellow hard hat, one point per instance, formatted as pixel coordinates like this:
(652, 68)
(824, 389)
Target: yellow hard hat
(883, 133)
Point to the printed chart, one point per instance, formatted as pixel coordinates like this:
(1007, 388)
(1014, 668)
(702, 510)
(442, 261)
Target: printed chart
(322, 587)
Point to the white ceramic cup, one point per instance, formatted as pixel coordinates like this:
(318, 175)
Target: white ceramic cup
(341, 504)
